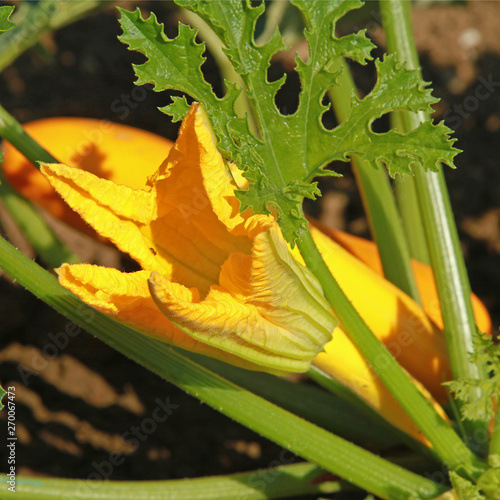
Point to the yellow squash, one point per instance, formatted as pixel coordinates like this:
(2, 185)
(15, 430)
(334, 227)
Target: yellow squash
(123, 154)
(367, 252)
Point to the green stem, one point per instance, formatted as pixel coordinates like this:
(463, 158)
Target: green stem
(12, 131)
(442, 237)
(37, 19)
(406, 198)
(362, 407)
(446, 443)
(41, 237)
(378, 200)
(275, 12)
(279, 482)
(336, 455)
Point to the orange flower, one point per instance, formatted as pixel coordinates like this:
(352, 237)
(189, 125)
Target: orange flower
(226, 279)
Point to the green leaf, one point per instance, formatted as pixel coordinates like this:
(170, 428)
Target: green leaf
(178, 109)
(465, 489)
(489, 483)
(397, 88)
(487, 354)
(5, 22)
(290, 150)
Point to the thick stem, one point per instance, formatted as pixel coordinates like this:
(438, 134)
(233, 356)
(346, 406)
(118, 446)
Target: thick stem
(442, 238)
(495, 438)
(51, 250)
(408, 206)
(12, 131)
(287, 480)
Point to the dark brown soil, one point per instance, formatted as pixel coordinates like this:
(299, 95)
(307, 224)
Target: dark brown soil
(73, 410)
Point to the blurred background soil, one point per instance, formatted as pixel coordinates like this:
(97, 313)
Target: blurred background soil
(73, 409)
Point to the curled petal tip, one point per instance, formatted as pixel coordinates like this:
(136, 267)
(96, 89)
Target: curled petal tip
(266, 309)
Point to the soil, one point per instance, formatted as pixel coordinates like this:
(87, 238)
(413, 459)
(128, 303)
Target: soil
(73, 409)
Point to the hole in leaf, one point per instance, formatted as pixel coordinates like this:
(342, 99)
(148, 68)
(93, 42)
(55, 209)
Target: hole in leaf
(287, 97)
(260, 24)
(212, 75)
(364, 77)
(328, 118)
(340, 204)
(381, 124)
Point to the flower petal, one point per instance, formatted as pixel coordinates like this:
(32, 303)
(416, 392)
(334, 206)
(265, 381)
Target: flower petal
(204, 186)
(216, 321)
(268, 309)
(127, 217)
(181, 188)
(187, 232)
(72, 183)
(116, 212)
(220, 185)
(126, 297)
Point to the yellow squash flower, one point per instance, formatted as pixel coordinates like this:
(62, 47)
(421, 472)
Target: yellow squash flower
(225, 278)
(225, 284)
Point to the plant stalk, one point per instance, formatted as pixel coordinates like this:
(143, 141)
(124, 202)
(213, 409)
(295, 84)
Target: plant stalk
(442, 237)
(11, 130)
(36, 18)
(408, 206)
(50, 249)
(495, 438)
(287, 480)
